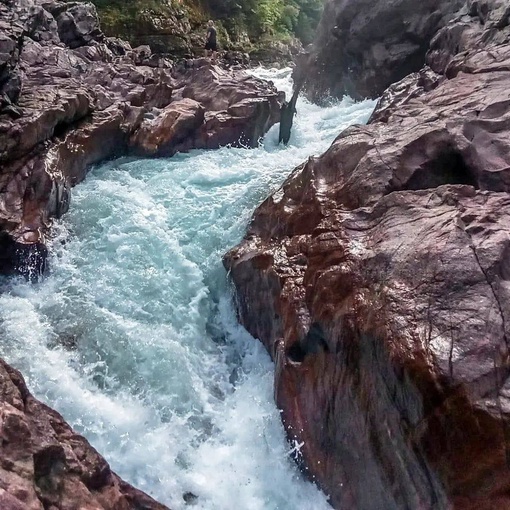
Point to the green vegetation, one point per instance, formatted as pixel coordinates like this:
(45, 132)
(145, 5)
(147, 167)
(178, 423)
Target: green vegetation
(242, 24)
(122, 17)
(276, 18)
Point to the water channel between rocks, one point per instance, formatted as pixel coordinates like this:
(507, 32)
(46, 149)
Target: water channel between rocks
(133, 337)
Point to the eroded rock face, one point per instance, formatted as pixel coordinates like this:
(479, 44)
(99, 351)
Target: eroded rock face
(377, 279)
(70, 97)
(211, 107)
(363, 46)
(171, 127)
(169, 33)
(46, 465)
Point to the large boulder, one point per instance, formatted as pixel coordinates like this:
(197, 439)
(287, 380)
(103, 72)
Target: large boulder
(45, 464)
(78, 23)
(377, 279)
(211, 108)
(164, 130)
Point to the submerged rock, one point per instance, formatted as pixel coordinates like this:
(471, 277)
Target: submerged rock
(70, 97)
(377, 279)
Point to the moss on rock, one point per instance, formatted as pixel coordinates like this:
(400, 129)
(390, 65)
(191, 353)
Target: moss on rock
(263, 28)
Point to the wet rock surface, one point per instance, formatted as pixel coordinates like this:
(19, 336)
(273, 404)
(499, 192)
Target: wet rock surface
(377, 279)
(46, 465)
(71, 97)
(211, 107)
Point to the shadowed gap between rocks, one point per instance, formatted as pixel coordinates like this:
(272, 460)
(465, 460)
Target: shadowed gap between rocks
(312, 343)
(31, 258)
(447, 167)
(63, 127)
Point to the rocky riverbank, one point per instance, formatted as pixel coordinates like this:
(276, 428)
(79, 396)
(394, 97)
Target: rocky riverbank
(44, 464)
(377, 275)
(71, 97)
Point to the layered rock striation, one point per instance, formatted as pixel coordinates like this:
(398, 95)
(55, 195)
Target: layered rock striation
(377, 278)
(71, 97)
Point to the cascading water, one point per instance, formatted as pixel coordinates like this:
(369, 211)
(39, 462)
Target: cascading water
(133, 337)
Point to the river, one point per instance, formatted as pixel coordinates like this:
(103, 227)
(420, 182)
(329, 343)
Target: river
(133, 337)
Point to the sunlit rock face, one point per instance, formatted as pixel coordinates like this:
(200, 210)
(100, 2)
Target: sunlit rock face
(211, 107)
(363, 46)
(377, 279)
(71, 97)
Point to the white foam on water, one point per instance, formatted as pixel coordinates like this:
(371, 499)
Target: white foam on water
(133, 337)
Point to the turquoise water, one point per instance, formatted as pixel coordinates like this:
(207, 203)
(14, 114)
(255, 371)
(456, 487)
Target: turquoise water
(133, 337)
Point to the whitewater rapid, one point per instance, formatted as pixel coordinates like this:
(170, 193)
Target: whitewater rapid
(133, 337)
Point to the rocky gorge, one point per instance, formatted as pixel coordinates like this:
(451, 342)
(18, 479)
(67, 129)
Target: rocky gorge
(70, 97)
(376, 276)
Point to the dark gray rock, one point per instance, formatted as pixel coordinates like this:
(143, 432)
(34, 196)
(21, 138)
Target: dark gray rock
(11, 41)
(78, 24)
(364, 46)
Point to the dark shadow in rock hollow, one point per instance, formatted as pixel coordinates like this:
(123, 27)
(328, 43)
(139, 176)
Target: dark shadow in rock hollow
(312, 343)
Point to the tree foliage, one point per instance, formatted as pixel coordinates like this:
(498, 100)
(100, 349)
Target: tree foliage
(259, 19)
(274, 17)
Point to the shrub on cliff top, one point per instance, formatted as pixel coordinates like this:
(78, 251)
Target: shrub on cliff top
(277, 19)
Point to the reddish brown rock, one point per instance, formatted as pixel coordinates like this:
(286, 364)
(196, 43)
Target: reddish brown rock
(377, 279)
(69, 98)
(212, 107)
(170, 127)
(240, 108)
(388, 327)
(44, 464)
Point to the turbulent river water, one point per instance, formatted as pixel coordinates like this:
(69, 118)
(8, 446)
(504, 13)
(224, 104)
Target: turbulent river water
(133, 337)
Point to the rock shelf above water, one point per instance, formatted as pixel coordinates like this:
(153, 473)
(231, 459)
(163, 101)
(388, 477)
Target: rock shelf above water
(71, 97)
